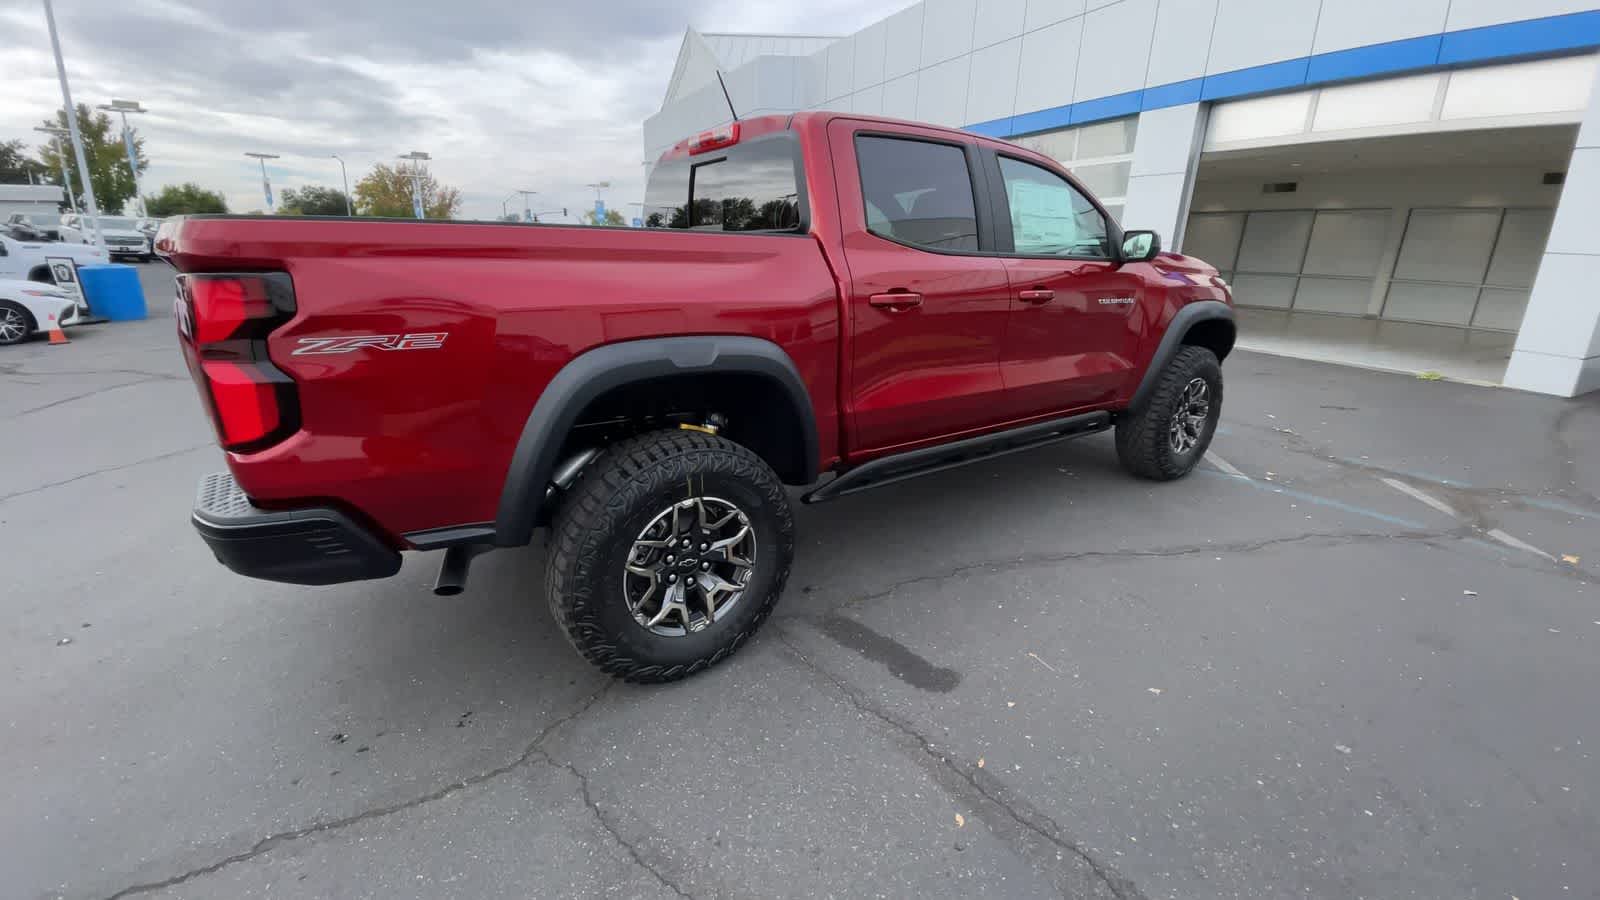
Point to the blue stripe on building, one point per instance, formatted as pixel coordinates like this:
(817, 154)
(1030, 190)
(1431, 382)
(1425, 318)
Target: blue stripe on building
(1492, 43)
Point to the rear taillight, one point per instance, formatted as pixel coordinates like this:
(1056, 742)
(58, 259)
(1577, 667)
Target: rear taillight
(224, 321)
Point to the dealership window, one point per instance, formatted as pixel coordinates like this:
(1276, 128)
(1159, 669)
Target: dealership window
(749, 187)
(918, 192)
(1049, 216)
(1099, 155)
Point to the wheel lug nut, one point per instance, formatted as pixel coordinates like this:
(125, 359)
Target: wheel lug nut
(704, 547)
(671, 558)
(705, 567)
(672, 578)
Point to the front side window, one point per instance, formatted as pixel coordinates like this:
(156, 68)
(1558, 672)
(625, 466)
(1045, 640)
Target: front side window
(917, 192)
(748, 187)
(1050, 217)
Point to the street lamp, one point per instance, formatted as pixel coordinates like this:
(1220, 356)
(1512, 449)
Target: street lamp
(417, 158)
(346, 179)
(72, 129)
(266, 186)
(599, 204)
(122, 108)
(527, 214)
(60, 135)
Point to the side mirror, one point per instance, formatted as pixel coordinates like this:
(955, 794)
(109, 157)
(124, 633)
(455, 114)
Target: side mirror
(1140, 246)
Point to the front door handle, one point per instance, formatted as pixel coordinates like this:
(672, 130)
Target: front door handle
(1036, 295)
(896, 301)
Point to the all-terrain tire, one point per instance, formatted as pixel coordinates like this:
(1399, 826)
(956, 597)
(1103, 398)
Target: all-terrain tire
(615, 498)
(1144, 433)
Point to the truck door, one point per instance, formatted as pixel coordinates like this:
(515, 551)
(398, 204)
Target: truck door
(928, 304)
(1075, 321)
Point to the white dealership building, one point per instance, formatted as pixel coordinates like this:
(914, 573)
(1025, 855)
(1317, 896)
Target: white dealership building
(1404, 185)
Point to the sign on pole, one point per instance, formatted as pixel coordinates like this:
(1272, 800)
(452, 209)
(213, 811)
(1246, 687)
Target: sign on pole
(599, 211)
(266, 188)
(64, 271)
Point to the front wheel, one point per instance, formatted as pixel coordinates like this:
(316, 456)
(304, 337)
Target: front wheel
(15, 323)
(668, 554)
(1165, 436)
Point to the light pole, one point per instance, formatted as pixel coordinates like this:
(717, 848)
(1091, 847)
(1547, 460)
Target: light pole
(344, 177)
(59, 135)
(123, 107)
(599, 204)
(527, 211)
(72, 129)
(266, 186)
(417, 157)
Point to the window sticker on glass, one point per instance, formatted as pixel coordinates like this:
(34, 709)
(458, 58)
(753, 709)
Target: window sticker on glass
(1041, 216)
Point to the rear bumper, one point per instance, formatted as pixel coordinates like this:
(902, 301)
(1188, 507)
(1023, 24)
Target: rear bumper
(313, 545)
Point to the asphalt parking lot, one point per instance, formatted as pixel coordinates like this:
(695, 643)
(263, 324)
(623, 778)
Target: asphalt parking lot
(1353, 656)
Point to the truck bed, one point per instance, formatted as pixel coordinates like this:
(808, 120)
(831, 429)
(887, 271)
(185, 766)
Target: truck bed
(385, 432)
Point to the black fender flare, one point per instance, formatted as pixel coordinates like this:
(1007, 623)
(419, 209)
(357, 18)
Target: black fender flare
(605, 368)
(1172, 340)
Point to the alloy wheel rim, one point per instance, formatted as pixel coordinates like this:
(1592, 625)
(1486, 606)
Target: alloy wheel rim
(1189, 419)
(11, 325)
(690, 566)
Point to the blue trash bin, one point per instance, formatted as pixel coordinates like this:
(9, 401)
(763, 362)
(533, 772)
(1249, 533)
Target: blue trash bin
(113, 291)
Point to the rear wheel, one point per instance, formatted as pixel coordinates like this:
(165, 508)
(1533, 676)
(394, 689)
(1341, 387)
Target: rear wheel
(15, 323)
(669, 552)
(1166, 435)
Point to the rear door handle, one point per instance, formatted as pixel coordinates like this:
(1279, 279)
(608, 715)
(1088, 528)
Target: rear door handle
(1036, 295)
(896, 301)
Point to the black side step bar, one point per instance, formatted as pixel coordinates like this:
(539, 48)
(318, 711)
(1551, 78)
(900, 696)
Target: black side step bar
(903, 466)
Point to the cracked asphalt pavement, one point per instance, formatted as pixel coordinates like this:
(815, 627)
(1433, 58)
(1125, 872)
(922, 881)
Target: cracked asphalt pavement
(1354, 655)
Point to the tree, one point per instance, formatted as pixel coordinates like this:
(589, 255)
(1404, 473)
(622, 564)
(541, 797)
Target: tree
(16, 167)
(182, 199)
(612, 217)
(386, 191)
(312, 201)
(113, 183)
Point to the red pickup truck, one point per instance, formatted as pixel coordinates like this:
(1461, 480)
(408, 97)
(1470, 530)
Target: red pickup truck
(818, 301)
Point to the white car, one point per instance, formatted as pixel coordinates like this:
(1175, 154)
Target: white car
(28, 306)
(30, 260)
(122, 233)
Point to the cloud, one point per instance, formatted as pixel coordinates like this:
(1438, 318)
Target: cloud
(545, 96)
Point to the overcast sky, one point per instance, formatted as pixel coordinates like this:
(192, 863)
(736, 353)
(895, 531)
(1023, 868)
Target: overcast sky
(541, 95)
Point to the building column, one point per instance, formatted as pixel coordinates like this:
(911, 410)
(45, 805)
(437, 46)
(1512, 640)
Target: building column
(1166, 157)
(1558, 346)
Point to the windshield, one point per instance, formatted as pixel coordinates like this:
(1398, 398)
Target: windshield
(118, 223)
(48, 221)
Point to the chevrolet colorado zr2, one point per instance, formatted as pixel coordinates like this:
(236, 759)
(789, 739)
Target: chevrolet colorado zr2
(817, 301)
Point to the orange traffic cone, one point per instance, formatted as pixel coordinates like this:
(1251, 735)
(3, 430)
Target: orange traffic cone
(57, 336)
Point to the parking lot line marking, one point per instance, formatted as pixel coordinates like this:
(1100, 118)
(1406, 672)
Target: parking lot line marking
(1422, 497)
(1518, 543)
(1320, 501)
(1409, 473)
(1225, 466)
(1556, 506)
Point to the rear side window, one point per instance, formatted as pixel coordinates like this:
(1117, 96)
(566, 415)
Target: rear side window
(748, 187)
(918, 193)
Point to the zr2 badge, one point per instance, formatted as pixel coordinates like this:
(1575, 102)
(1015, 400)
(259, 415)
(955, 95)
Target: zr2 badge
(329, 346)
